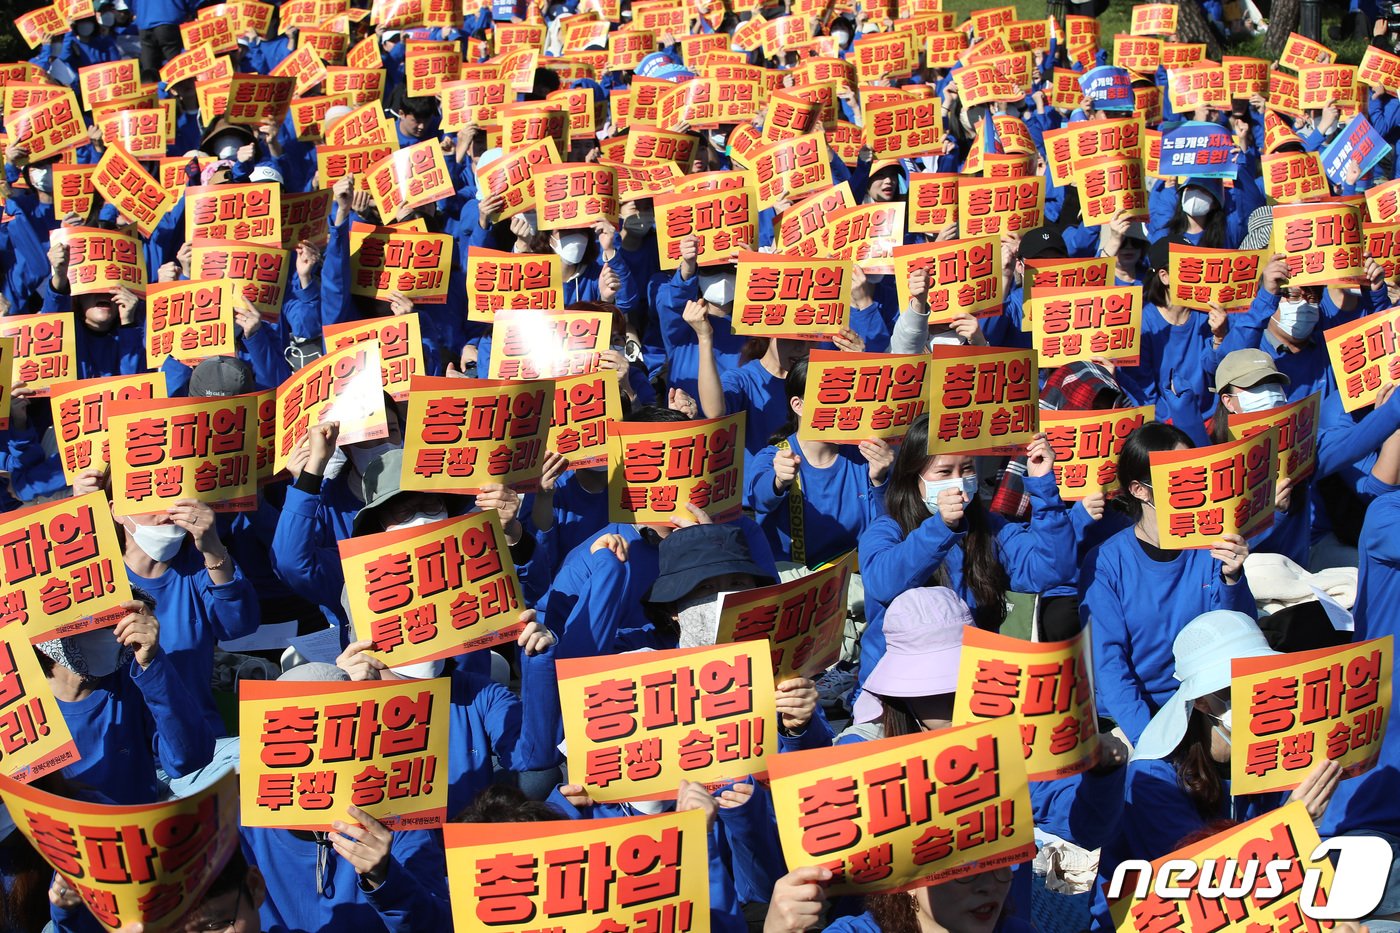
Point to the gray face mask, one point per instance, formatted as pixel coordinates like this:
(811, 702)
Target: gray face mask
(698, 621)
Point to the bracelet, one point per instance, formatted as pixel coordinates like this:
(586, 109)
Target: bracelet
(218, 566)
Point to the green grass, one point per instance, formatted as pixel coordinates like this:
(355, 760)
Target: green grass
(1118, 18)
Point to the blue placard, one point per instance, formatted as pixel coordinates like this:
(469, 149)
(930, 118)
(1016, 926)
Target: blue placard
(1357, 144)
(1109, 87)
(1197, 149)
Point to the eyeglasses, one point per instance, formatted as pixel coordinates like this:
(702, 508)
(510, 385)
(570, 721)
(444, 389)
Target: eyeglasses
(224, 926)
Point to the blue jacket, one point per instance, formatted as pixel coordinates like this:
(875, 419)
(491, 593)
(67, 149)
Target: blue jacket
(838, 503)
(413, 896)
(1133, 662)
(1037, 555)
(194, 614)
(133, 720)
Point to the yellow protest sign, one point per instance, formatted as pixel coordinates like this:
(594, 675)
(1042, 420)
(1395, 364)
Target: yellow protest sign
(988, 206)
(789, 169)
(986, 400)
(1087, 445)
(574, 196)
(723, 221)
(465, 434)
(800, 229)
(72, 190)
(867, 234)
(433, 591)
(657, 474)
(62, 569)
(34, 738)
(802, 620)
(400, 347)
(1321, 242)
(1043, 687)
(1062, 273)
(190, 321)
(529, 344)
(905, 129)
(101, 261)
(964, 276)
(1205, 492)
(1201, 276)
(1108, 186)
(148, 863)
(257, 99)
(49, 128)
(1297, 425)
(1362, 353)
(513, 877)
(1304, 707)
(145, 134)
(1257, 901)
(80, 416)
(584, 406)
(1067, 146)
(853, 397)
(109, 82)
(345, 386)
(409, 178)
(172, 449)
(7, 369)
(790, 296)
(313, 750)
(908, 811)
(259, 272)
(45, 349)
(1069, 324)
(499, 281)
(933, 201)
(384, 260)
(702, 714)
(511, 177)
(471, 102)
(250, 213)
(125, 185)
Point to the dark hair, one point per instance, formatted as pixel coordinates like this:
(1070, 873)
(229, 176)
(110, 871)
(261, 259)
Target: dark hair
(1134, 462)
(1196, 771)
(545, 83)
(1212, 226)
(24, 903)
(1154, 290)
(904, 502)
(753, 349)
(794, 386)
(502, 803)
(424, 108)
(656, 413)
(232, 877)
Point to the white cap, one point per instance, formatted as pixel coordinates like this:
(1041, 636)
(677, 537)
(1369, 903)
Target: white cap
(265, 173)
(334, 115)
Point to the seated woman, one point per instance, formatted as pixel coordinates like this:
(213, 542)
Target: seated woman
(938, 531)
(1139, 595)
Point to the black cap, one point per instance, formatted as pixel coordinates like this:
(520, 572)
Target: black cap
(1043, 243)
(221, 376)
(1160, 252)
(690, 556)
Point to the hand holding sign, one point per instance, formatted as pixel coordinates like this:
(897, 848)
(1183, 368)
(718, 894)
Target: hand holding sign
(1231, 552)
(799, 897)
(365, 846)
(140, 631)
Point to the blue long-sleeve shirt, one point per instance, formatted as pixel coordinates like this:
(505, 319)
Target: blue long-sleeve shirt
(1133, 660)
(838, 503)
(1175, 371)
(132, 720)
(195, 614)
(1037, 555)
(413, 896)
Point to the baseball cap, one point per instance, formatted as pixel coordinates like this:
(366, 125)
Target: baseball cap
(1043, 243)
(265, 173)
(1245, 368)
(220, 377)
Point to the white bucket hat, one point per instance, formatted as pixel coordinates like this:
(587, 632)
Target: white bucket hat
(1203, 651)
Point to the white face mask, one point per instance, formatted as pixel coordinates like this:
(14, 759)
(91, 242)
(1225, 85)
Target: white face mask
(423, 670)
(1224, 729)
(950, 338)
(1297, 318)
(362, 457)
(100, 649)
(160, 542)
(842, 37)
(1196, 203)
(41, 178)
(229, 151)
(640, 223)
(571, 247)
(699, 621)
(1261, 398)
(335, 464)
(422, 518)
(968, 485)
